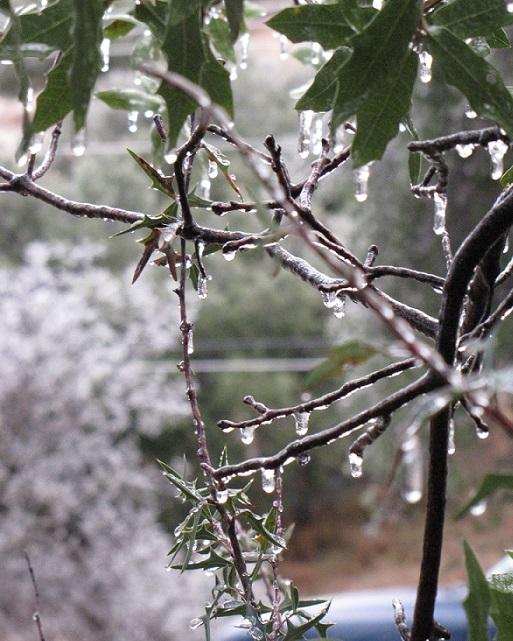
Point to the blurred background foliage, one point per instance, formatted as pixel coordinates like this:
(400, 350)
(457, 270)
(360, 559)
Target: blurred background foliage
(257, 318)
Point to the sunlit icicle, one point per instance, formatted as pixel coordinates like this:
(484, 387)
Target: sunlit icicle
(78, 143)
(302, 420)
(497, 150)
(329, 299)
(478, 509)
(244, 47)
(413, 475)
(464, 151)
(268, 481)
(470, 113)
(425, 64)
(339, 308)
(247, 434)
(133, 117)
(204, 187)
(440, 201)
(105, 51)
(451, 445)
(360, 182)
(356, 465)
(316, 135)
(202, 286)
(36, 143)
(284, 47)
(305, 124)
(213, 169)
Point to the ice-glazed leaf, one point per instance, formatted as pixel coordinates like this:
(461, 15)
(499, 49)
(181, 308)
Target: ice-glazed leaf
(118, 28)
(54, 102)
(490, 484)
(379, 117)
(180, 10)
(158, 181)
(501, 609)
(378, 50)
(473, 76)
(321, 93)
(477, 601)
(87, 59)
(219, 32)
(215, 79)
(326, 24)
(295, 632)
(467, 18)
(341, 356)
(235, 16)
(498, 39)
(130, 99)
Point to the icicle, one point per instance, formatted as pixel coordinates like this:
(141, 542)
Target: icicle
(464, 151)
(316, 137)
(78, 143)
(247, 434)
(497, 150)
(133, 116)
(229, 256)
(213, 169)
(284, 47)
(303, 459)
(425, 63)
(29, 103)
(302, 419)
(470, 113)
(105, 51)
(329, 299)
(36, 143)
(190, 342)
(204, 187)
(339, 308)
(479, 508)
(355, 462)
(440, 201)
(305, 124)
(451, 446)
(202, 287)
(412, 461)
(268, 481)
(360, 181)
(244, 46)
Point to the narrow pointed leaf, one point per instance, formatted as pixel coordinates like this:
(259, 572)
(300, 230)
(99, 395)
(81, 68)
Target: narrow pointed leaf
(162, 183)
(150, 245)
(477, 602)
(130, 99)
(474, 77)
(501, 609)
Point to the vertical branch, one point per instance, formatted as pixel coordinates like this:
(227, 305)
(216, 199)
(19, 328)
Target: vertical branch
(36, 616)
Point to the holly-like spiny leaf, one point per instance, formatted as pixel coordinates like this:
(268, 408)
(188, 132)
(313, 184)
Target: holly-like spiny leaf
(477, 601)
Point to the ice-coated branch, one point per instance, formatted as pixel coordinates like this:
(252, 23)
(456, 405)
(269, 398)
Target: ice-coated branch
(479, 137)
(379, 271)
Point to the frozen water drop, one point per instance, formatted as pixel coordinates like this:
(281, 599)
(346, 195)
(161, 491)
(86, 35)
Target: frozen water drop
(481, 433)
(305, 125)
(478, 509)
(36, 143)
(329, 299)
(170, 157)
(464, 151)
(360, 182)
(268, 481)
(213, 169)
(425, 64)
(412, 496)
(302, 420)
(229, 255)
(316, 135)
(451, 446)
(247, 434)
(339, 308)
(355, 463)
(222, 496)
(133, 117)
(244, 46)
(303, 459)
(440, 201)
(105, 52)
(195, 623)
(509, 7)
(78, 143)
(202, 287)
(190, 342)
(497, 150)
(204, 187)
(470, 113)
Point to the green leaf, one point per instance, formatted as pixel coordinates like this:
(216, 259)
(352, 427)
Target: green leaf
(490, 484)
(118, 28)
(220, 36)
(474, 77)
(498, 39)
(507, 177)
(326, 24)
(477, 602)
(130, 99)
(192, 540)
(180, 10)
(378, 119)
(158, 181)
(215, 79)
(295, 632)
(378, 50)
(468, 18)
(154, 17)
(213, 562)
(501, 609)
(258, 524)
(235, 16)
(349, 354)
(87, 59)
(54, 102)
(321, 93)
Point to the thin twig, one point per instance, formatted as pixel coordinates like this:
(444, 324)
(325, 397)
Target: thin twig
(36, 616)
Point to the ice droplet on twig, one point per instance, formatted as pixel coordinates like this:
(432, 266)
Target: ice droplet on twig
(478, 509)
(29, 101)
(339, 308)
(222, 496)
(497, 150)
(244, 47)
(305, 124)
(202, 287)
(190, 342)
(195, 623)
(413, 476)
(329, 298)
(247, 434)
(213, 169)
(464, 151)
(360, 182)
(356, 464)
(451, 445)
(229, 255)
(470, 113)
(425, 64)
(36, 143)
(440, 201)
(303, 459)
(78, 143)
(268, 480)
(302, 420)
(105, 52)
(133, 117)
(316, 137)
